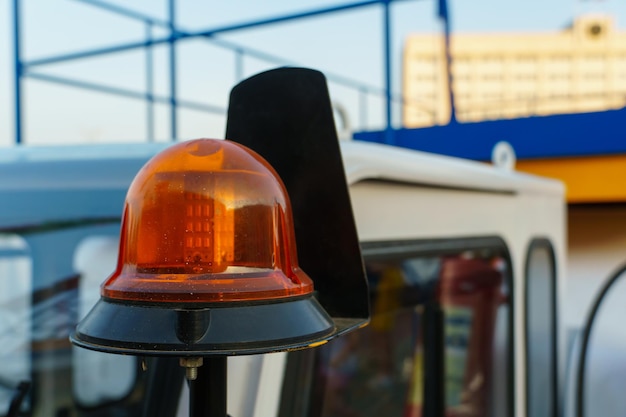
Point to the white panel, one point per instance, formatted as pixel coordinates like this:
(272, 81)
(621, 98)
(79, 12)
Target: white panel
(270, 385)
(98, 377)
(244, 374)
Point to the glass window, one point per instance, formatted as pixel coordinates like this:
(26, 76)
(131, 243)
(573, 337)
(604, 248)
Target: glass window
(541, 329)
(439, 336)
(15, 322)
(602, 392)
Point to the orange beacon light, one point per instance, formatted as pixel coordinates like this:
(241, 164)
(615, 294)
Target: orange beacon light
(207, 261)
(207, 221)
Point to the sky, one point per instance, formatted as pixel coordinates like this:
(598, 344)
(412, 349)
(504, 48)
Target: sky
(348, 44)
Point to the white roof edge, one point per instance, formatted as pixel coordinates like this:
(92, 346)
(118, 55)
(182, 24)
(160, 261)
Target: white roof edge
(69, 152)
(363, 161)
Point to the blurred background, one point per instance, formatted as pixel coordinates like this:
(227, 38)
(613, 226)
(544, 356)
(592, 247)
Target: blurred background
(348, 46)
(511, 61)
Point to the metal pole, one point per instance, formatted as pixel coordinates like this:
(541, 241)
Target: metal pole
(433, 334)
(18, 71)
(389, 136)
(207, 393)
(149, 86)
(172, 42)
(445, 16)
(165, 379)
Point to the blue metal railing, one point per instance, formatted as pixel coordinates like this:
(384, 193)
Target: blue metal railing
(17, 59)
(25, 69)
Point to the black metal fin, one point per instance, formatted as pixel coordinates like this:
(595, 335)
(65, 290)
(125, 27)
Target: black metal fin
(286, 116)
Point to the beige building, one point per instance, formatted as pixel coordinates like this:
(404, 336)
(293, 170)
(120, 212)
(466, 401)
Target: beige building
(508, 75)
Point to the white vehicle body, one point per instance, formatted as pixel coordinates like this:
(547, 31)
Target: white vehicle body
(58, 216)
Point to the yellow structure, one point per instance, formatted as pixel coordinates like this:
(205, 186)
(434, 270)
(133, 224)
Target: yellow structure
(588, 179)
(510, 75)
